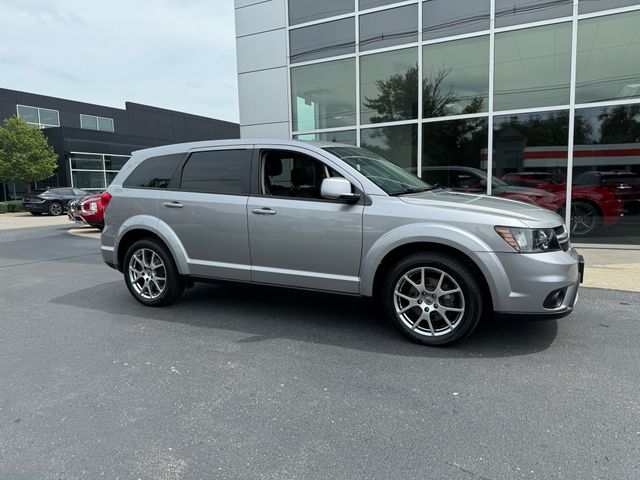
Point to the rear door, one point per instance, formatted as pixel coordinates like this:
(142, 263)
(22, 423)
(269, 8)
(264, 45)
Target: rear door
(298, 238)
(208, 211)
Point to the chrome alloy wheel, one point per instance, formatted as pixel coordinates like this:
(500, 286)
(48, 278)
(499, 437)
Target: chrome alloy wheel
(429, 301)
(55, 209)
(147, 273)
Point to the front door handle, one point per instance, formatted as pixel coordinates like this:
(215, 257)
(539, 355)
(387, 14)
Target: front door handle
(173, 204)
(263, 211)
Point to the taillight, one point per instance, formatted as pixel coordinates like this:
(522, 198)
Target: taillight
(106, 198)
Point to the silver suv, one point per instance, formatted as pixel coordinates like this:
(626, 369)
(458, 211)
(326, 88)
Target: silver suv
(337, 218)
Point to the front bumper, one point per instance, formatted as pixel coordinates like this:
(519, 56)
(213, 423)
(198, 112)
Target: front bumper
(528, 280)
(36, 207)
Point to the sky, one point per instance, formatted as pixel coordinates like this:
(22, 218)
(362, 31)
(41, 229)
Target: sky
(176, 54)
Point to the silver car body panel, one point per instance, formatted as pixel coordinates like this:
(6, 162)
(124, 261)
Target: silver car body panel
(334, 246)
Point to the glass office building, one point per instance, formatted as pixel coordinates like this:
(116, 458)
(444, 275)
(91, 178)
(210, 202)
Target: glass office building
(541, 97)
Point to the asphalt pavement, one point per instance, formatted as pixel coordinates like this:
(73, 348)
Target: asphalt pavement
(241, 382)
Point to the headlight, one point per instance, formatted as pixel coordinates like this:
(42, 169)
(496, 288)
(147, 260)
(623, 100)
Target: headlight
(529, 240)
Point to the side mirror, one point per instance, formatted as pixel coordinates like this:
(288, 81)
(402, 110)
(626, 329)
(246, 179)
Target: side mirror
(338, 188)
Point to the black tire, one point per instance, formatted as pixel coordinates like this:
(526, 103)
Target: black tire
(36, 213)
(447, 270)
(173, 286)
(55, 209)
(586, 218)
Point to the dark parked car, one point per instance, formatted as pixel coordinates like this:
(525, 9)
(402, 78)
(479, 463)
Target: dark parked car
(54, 201)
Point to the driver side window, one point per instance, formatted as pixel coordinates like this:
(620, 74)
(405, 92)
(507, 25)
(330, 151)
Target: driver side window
(290, 174)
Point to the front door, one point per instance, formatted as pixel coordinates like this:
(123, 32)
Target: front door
(297, 238)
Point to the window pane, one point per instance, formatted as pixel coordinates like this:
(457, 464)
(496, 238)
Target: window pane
(154, 172)
(512, 12)
(456, 77)
(364, 4)
(389, 27)
(533, 67)
(86, 162)
(530, 152)
(105, 124)
(220, 171)
(301, 11)
(324, 95)
(443, 18)
(606, 174)
(114, 162)
(89, 122)
(289, 174)
(29, 114)
(324, 40)
(110, 176)
(588, 6)
(88, 180)
(608, 62)
(389, 86)
(454, 154)
(49, 117)
(346, 136)
(398, 144)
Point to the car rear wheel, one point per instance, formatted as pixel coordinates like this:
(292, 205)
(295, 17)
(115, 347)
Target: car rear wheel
(585, 218)
(432, 298)
(151, 274)
(55, 209)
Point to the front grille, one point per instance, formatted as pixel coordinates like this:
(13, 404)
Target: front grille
(563, 237)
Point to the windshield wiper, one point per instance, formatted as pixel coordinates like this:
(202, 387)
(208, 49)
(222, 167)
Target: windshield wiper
(435, 186)
(409, 190)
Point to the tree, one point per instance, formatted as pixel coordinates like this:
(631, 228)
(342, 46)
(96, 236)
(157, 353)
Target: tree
(25, 154)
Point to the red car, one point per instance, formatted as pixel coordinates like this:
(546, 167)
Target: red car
(594, 203)
(88, 210)
(473, 180)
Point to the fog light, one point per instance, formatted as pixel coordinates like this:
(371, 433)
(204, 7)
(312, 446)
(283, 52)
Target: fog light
(555, 298)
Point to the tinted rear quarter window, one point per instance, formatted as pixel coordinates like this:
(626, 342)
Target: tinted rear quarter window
(218, 171)
(154, 172)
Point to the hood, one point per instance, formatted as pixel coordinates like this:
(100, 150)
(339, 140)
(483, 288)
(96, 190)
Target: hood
(510, 210)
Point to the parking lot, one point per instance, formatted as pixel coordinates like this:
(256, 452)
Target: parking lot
(251, 382)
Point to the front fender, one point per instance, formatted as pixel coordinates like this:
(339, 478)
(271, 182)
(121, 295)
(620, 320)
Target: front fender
(472, 246)
(163, 231)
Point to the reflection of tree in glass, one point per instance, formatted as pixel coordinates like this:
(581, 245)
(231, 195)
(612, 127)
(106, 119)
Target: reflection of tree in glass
(620, 124)
(398, 100)
(398, 97)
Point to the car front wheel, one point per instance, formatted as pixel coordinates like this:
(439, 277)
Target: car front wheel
(585, 218)
(433, 298)
(55, 209)
(151, 274)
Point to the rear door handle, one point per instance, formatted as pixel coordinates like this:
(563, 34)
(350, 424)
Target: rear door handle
(263, 211)
(173, 204)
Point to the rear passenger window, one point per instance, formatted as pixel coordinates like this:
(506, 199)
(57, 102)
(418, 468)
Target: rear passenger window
(218, 171)
(154, 172)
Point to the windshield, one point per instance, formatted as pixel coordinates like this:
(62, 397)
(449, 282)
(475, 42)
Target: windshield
(386, 175)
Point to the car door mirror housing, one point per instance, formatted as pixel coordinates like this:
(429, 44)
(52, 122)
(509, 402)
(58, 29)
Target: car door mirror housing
(338, 188)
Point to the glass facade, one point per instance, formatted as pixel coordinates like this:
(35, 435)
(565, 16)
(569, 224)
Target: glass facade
(389, 86)
(455, 77)
(533, 67)
(386, 28)
(93, 172)
(430, 83)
